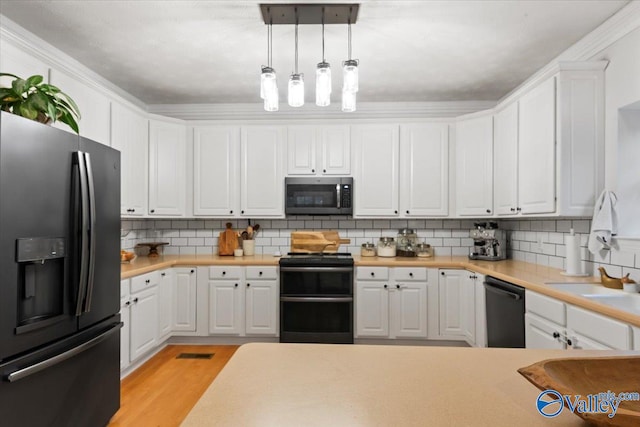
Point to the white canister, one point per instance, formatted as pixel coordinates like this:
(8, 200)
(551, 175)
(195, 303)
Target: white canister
(238, 252)
(249, 247)
(386, 247)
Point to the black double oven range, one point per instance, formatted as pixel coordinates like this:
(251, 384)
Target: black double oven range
(316, 298)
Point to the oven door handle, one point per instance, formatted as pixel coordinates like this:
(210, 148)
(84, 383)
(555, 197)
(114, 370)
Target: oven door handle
(316, 299)
(318, 269)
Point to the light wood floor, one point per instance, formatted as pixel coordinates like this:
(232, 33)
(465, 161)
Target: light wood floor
(163, 390)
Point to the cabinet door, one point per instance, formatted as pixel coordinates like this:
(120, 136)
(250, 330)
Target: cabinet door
(536, 150)
(184, 300)
(409, 310)
(95, 108)
(505, 161)
(262, 183)
(636, 338)
(301, 150)
(125, 318)
(376, 150)
(144, 322)
(480, 309)
(474, 166)
(226, 306)
(540, 333)
(167, 168)
(611, 333)
(261, 307)
(451, 305)
(216, 175)
(580, 342)
(372, 309)
(424, 169)
(468, 303)
(335, 149)
(165, 305)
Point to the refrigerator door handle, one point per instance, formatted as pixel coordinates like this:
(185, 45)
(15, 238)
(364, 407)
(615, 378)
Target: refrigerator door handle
(78, 158)
(92, 233)
(47, 363)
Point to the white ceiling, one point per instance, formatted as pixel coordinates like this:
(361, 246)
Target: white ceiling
(176, 52)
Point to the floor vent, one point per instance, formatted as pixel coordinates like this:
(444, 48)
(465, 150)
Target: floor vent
(195, 356)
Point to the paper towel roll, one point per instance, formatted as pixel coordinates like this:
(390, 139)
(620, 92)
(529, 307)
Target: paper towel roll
(572, 252)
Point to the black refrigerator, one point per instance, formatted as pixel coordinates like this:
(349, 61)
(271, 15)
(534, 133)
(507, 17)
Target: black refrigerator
(59, 277)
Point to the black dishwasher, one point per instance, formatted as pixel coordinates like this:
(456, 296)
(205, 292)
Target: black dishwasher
(505, 313)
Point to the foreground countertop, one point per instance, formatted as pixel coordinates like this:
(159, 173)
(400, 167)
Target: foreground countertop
(363, 385)
(530, 276)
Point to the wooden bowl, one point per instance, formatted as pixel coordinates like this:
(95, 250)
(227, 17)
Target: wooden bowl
(126, 256)
(591, 376)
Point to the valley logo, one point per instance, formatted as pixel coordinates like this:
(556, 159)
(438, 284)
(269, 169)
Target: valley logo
(550, 403)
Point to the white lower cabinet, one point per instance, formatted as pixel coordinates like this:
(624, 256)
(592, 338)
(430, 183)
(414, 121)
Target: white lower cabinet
(451, 305)
(392, 303)
(475, 293)
(550, 323)
(165, 304)
(144, 321)
(125, 318)
(184, 300)
(243, 301)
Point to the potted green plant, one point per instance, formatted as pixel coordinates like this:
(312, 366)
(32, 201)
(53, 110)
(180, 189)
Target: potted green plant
(36, 100)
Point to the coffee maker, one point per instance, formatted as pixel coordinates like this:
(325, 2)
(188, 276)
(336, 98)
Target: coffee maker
(489, 243)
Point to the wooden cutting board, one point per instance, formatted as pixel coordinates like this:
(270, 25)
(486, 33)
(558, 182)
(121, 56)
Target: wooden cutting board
(228, 241)
(316, 241)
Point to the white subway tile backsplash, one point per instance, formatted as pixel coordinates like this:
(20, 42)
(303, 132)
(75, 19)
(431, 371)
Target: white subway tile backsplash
(187, 233)
(563, 226)
(196, 241)
(442, 233)
(581, 226)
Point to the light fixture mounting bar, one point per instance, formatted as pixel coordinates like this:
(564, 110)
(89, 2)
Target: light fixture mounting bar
(285, 14)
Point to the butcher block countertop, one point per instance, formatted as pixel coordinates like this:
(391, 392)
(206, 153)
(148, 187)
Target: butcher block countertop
(363, 385)
(529, 276)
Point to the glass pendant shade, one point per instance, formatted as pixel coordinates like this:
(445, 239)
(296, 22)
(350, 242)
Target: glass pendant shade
(271, 101)
(296, 90)
(350, 75)
(323, 84)
(348, 101)
(267, 81)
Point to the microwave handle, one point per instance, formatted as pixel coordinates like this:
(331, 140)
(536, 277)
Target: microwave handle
(339, 198)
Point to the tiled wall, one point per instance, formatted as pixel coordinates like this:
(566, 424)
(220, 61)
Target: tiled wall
(542, 242)
(447, 236)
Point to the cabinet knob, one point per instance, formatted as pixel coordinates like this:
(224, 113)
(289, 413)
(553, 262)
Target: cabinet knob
(512, 209)
(260, 273)
(133, 210)
(248, 284)
(313, 171)
(135, 300)
(442, 272)
(241, 212)
(385, 286)
(407, 211)
(147, 281)
(397, 286)
(128, 303)
(373, 274)
(236, 285)
(518, 209)
(230, 212)
(556, 334)
(410, 274)
(193, 271)
(153, 210)
(224, 273)
(569, 342)
(488, 210)
(163, 274)
(324, 171)
(395, 212)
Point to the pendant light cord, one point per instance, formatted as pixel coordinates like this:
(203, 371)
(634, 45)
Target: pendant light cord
(296, 71)
(349, 38)
(323, 58)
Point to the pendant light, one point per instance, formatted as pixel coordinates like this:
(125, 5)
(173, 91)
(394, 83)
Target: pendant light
(296, 80)
(350, 80)
(268, 81)
(323, 77)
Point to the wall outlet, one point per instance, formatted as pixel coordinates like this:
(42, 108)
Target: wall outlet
(538, 245)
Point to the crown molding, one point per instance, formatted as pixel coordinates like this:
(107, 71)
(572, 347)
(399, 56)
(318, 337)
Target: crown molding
(55, 58)
(613, 29)
(366, 110)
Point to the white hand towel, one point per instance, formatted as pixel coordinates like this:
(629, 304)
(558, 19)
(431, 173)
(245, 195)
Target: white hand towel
(604, 223)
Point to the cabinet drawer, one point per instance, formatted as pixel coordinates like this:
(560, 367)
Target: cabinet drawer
(606, 330)
(144, 281)
(372, 273)
(124, 287)
(217, 273)
(546, 307)
(410, 273)
(258, 272)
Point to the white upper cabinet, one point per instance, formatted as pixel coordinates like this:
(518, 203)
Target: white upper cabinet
(318, 150)
(216, 172)
(375, 152)
(167, 168)
(536, 151)
(505, 161)
(474, 166)
(262, 178)
(424, 169)
(95, 108)
(130, 135)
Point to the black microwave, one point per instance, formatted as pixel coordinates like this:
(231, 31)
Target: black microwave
(318, 196)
